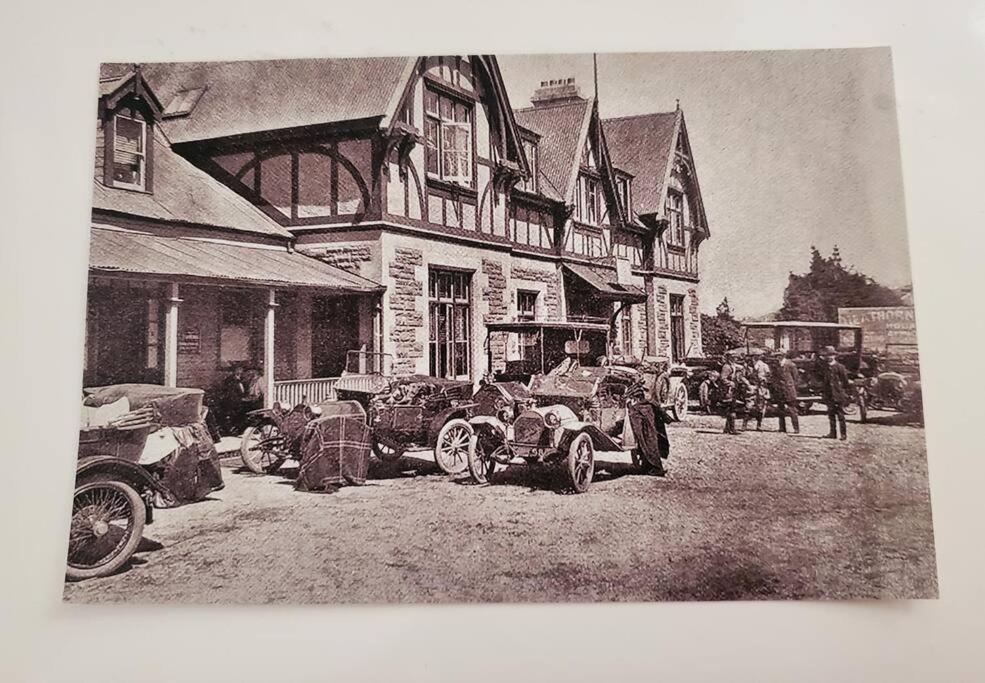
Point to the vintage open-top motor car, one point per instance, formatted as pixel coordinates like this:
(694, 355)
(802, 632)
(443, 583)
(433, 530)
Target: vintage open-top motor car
(410, 412)
(407, 412)
(584, 403)
(518, 351)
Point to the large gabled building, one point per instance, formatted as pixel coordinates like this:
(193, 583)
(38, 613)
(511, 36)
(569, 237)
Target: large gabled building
(411, 202)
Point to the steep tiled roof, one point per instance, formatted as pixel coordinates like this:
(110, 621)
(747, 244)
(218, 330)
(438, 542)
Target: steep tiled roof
(562, 129)
(643, 145)
(184, 193)
(252, 96)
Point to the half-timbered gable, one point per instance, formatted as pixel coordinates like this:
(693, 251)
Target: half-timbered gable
(454, 149)
(665, 196)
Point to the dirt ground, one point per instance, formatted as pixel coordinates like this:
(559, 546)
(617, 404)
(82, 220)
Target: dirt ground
(754, 516)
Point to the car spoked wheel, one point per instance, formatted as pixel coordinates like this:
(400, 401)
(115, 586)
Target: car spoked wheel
(581, 463)
(386, 452)
(451, 450)
(483, 458)
(680, 403)
(107, 525)
(262, 447)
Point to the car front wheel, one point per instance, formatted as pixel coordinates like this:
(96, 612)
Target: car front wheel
(451, 449)
(581, 463)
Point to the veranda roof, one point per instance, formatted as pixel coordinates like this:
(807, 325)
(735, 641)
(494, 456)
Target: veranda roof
(114, 251)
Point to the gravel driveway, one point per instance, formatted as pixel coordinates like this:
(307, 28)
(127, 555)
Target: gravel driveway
(755, 516)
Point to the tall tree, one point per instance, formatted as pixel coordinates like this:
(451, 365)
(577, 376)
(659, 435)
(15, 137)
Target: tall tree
(827, 286)
(720, 332)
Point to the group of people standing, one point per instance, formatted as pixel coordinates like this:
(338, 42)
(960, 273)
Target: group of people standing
(750, 384)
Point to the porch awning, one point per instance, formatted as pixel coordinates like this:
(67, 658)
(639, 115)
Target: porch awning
(113, 252)
(605, 285)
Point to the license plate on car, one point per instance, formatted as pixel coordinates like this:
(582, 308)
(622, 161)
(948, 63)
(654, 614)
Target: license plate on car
(538, 452)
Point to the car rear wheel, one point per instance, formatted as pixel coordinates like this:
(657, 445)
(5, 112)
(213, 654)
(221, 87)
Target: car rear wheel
(451, 449)
(261, 449)
(679, 408)
(108, 519)
(581, 463)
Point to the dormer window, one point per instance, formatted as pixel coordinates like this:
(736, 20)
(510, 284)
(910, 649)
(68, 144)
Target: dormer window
(127, 113)
(129, 156)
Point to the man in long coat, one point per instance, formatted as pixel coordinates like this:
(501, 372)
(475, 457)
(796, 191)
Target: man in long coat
(732, 381)
(835, 390)
(785, 386)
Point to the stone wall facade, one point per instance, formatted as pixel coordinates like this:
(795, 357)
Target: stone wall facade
(552, 293)
(663, 322)
(694, 322)
(405, 296)
(495, 297)
(349, 258)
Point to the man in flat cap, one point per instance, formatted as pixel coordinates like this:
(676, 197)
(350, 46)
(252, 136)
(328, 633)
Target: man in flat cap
(835, 390)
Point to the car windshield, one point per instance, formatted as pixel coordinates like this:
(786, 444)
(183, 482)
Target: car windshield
(368, 363)
(546, 350)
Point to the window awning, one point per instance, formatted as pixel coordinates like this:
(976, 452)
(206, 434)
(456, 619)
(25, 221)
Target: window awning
(120, 252)
(605, 284)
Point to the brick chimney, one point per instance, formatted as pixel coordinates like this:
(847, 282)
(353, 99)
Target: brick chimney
(559, 91)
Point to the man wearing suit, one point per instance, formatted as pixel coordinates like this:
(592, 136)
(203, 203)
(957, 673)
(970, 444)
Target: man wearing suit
(732, 382)
(785, 386)
(835, 391)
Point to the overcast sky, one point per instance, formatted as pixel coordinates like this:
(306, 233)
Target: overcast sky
(791, 149)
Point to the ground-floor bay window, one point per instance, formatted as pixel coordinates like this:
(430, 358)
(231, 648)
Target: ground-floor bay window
(450, 323)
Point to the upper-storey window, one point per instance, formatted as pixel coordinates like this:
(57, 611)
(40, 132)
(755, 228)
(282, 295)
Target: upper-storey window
(588, 203)
(129, 157)
(675, 217)
(448, 132)
(622, 185)
(530, 151)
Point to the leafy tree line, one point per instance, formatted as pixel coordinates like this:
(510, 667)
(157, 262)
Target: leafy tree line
(815, 295)
(827, 286)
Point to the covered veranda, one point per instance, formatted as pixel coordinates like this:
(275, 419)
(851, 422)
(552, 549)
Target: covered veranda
(183, 311)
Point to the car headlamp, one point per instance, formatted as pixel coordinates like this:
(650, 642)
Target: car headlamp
(552, 420)
(506, 414)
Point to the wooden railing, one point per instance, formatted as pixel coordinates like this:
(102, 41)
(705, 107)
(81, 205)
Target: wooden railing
(294, 391)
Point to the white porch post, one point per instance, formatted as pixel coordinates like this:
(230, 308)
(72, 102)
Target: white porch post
(268, 350)
(171, 337)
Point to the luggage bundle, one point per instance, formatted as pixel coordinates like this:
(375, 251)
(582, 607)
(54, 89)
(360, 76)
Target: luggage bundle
(335, 449)
(160, 428)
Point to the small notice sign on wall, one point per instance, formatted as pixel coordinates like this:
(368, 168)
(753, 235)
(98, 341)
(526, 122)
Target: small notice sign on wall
(190, 341)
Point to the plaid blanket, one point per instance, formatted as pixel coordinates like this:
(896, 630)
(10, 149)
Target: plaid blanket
(335, 449)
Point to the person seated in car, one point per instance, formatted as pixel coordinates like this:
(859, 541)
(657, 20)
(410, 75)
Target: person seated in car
(229, 401)
(253, 395)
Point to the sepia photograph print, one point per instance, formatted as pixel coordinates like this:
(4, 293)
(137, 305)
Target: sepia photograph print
(500, 328)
